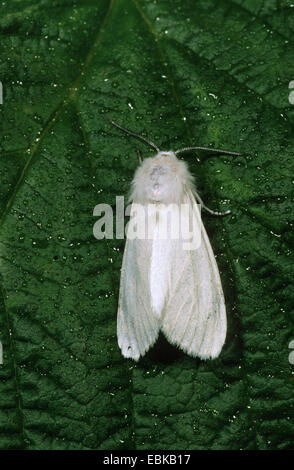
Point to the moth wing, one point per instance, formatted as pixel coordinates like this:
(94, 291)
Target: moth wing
(195, 314)
(137, 326)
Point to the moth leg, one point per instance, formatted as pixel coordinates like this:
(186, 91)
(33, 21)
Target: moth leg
(139, 156)
(203, 206)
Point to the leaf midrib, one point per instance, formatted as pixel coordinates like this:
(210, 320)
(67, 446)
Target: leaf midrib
(230, 255)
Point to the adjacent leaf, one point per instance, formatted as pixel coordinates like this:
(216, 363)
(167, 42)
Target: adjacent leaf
(214, 72)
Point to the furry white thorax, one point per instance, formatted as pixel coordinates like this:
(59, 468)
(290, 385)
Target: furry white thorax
(163, 178)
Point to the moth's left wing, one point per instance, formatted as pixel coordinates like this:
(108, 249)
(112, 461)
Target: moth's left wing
(137, 325)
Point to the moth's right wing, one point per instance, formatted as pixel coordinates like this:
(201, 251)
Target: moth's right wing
(195, 313)
(137, 326)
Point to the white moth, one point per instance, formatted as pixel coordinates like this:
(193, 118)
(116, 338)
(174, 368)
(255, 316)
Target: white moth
(165, 287)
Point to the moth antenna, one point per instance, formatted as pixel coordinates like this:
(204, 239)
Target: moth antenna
(127, 131)
(208, 149)
(221, 214)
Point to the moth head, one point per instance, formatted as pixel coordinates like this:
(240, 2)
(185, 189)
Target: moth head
(169, 154)
(161, 179)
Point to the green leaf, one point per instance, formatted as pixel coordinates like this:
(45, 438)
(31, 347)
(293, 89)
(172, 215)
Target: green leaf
(182, 73)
